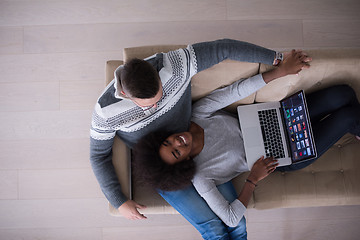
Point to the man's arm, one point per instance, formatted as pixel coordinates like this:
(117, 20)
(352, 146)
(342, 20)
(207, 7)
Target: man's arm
(211, 53)
(101, 162)
(101, 143)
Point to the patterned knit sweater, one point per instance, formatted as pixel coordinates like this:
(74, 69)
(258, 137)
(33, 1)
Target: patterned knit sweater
(114, 114)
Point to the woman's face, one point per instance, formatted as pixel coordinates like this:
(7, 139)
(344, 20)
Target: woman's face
(176, 148)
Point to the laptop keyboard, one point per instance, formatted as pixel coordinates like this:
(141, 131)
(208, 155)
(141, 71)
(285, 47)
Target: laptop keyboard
(271, 133)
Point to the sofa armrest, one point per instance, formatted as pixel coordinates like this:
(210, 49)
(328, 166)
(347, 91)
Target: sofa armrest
(122, 164)
(110, 68)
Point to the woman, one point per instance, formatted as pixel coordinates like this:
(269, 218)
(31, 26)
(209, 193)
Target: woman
(214, 144)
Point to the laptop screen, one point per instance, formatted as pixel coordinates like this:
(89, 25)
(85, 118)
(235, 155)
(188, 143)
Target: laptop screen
(298, 127)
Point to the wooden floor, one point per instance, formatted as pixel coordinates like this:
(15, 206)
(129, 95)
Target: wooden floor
(52, 59)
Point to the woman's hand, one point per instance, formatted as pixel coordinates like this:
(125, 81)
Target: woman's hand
(262, 168)
(294, 62)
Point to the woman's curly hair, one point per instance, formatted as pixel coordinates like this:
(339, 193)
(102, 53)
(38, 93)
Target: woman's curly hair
(150, 169)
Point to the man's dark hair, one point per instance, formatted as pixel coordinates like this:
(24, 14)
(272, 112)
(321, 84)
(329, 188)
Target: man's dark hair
(150, 169)
(140, 79)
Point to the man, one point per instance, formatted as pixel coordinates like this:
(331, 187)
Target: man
(163, 104)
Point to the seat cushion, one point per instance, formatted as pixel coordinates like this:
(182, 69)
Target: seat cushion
(331, 180)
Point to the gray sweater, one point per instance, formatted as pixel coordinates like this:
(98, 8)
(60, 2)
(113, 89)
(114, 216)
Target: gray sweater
(223, 156)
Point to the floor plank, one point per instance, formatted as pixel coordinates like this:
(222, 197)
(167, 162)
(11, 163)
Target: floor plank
(293, 9)
(74, 96)
(52, 233)
(11, 40)
(45, 125)
(329, 229)
(72, 213)
(44, 154)
(332, 33)
(58, 184)
(88, 66)
(56, 12)
(150, 233)
(8, 184)
(70, 38)
(39, 96)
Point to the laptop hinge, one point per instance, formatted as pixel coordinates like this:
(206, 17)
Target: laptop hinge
(287, 140)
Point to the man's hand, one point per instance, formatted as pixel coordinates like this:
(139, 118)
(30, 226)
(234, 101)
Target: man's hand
(129, 210)
(294, 62)
(262, 168)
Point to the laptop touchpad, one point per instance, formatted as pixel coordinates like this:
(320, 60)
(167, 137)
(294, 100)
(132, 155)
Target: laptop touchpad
(252, 136)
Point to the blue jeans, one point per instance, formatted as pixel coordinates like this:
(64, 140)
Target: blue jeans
(340, 105)
(194, 208)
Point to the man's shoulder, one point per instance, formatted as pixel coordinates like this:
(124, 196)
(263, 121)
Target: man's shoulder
(156, 61)
(167, 60)
(180, 62)
(109, 106)
(108, 96)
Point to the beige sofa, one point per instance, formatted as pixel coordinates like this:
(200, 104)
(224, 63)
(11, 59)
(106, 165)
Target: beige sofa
(334, 179)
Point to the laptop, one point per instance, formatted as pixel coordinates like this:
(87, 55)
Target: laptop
(279, 129)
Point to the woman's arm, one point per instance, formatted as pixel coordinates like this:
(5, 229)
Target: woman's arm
(231, 213)
(223, 97)
(220, 98)
(261, 169)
